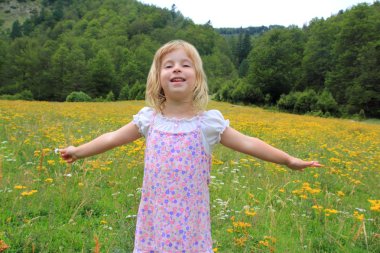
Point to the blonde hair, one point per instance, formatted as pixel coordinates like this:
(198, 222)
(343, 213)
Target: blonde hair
(155, 96)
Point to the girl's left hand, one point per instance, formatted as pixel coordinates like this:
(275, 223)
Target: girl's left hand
(298, 164)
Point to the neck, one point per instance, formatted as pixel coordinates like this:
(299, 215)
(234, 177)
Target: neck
(179, 109)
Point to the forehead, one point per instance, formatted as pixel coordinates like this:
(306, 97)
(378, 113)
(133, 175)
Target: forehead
(176, 54)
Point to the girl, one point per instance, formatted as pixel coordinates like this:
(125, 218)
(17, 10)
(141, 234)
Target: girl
(174, 213)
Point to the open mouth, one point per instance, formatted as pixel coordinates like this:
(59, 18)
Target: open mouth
(177, 79)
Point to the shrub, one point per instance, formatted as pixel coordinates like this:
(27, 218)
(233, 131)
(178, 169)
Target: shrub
(246, 93)
(23, 95)
(225, 92)
(110, 96)
(124, 93)
(306, 102)
(137, 92)
(326, 103)
(287, 102)
(301, 102)
(78, 96)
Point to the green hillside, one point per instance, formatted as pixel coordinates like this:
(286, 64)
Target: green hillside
(12, 10)
(105, 48)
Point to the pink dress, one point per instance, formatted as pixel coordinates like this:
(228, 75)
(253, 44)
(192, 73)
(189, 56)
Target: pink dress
(174, 212)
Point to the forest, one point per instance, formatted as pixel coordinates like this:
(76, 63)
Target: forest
(101, 50)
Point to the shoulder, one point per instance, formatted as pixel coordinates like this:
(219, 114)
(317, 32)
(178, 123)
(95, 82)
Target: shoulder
(213, 125)
(212, 117)
(143, 118)
(146, 111)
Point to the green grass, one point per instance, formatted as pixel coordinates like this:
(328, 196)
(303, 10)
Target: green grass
(94, 201)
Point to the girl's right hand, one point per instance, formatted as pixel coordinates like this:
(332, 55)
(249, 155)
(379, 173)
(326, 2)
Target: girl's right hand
(68, 154)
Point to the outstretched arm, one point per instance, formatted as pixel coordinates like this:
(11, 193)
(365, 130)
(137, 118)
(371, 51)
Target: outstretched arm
(107, 141)
(257, 148)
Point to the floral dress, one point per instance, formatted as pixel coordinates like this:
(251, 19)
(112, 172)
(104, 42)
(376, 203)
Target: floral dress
(174, 212)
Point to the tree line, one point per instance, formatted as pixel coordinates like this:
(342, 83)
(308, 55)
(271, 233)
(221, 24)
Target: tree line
(104, 49)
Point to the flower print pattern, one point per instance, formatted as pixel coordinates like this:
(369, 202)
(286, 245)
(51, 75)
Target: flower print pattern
(174, 212)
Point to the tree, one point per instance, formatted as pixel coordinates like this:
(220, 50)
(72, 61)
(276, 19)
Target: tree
(218, 65)
(317, 58)
(102, 74)
(68, 72)
(355, 50)
(243, 47)
(275, 61)
(3, 60)
(59, 71)
(16, 30)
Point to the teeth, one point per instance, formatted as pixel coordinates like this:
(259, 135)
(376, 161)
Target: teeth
(177, 79)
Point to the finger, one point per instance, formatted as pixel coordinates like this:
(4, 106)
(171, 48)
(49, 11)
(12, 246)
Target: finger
(316, 164)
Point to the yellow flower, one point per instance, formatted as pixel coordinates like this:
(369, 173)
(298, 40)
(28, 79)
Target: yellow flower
(282, 190)
(240, 241)
(46, 150)
(215, 250)
(3, 246)
(314, 191)
(334, 160)
(264, 243)
(340, 194)
(250, 213)
(328, 212)
(358, 216)
(216, 161)
(28, 193)
(241, 224)
(103, 222)
(51, 162)
(270, 238)
(375, 205)
(19, 187)
(49, 180)
(317, 207)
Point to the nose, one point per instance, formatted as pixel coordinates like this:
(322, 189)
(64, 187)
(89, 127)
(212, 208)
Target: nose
(177, 68)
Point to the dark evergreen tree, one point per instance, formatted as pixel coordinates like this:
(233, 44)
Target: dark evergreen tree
(275, 61)
(102, 74)
(16, 30)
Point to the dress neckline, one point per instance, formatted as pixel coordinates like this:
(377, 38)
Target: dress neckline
(175, 119)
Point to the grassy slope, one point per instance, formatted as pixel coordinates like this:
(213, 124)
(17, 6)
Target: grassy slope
(255, 206)
(12, 10)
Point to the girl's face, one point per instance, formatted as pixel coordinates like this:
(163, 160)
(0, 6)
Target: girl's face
(177, 76)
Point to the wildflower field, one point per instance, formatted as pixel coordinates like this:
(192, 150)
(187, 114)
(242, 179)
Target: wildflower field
(91, 205)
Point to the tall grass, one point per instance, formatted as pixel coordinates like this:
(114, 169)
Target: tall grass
(91, 206)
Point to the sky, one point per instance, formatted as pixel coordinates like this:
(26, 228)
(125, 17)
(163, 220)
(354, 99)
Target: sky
(244, 13)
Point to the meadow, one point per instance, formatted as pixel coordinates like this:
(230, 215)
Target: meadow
(91, 205)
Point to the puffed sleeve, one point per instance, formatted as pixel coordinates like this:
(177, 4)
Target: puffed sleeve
(213, 126)
(142, 119)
